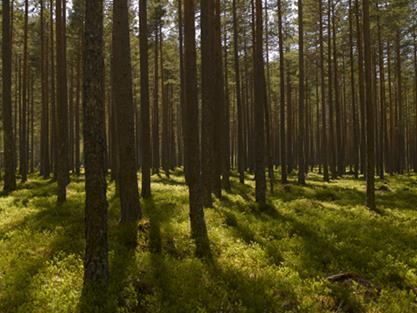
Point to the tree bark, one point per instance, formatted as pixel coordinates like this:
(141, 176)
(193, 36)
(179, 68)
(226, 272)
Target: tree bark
(96, 268)
(9, 142)
(144, 99)
(123, 97)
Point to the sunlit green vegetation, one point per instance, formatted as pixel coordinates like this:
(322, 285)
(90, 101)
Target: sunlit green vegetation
(276, 260)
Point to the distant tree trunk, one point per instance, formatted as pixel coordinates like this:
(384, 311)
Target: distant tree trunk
(383, 126)
(9, 142)
(338, 110)
(198, 224)
(96, 268)
(290, 128)
(301, 118)
(77, 112)
(268, 113)
(399, 102)
(53, 145)
(219, 111)
(332, 138)
(62, 103)
(144, 94)
(208, 100)
(155, 110)
(284, 174)
(226, 159)
(370, 175)
(260, 98)
(355, 126)
(23, 154)
(240, 119)
(415, 91)
(361, 87)
(44, 159)
(181, 70)
(123, 97)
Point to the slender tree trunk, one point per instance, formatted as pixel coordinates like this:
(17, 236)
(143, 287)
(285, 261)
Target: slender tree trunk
(155, 111)
(301, 107)
(382, 131)
(339, 143)
(241, 155)
(23, 155)
(9, 142)
(284, 174)
(260, 98)
(361, 87)
(400, 128)
(144, 100)
(355, 124)
(370, 175)
(324, 152)
(62, 103)
(198, 224)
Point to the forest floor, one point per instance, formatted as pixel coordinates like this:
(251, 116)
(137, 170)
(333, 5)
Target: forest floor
(277, 260)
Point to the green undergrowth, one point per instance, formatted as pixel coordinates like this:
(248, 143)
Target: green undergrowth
(271, 260)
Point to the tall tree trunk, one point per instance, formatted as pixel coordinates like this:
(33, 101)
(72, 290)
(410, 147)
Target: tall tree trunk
(400, 128)
(359, 34)
(301, 90)
(382, 131)
(339, 143)
(182, 92)
(284, 174)
(355, 124)
(123, 97)
(96, 268)
(208, 100)
(62, 103)
(241, 155)
(9, 142)
(370, 175)
(155, 109)
(144, 100)
(260, 98)
(198, 223)
(23, 154)
(324, 152)
(44, 159)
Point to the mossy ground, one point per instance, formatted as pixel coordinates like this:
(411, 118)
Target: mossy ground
(275, 260)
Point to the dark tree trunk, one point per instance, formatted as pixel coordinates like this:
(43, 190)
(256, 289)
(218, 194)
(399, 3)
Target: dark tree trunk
(301, 118)
(208, 100)
(9, 142)
(370, 174)
(62, 103)
(241, 155)
(355, 124)
(96, 269)
(123, 97)
(155, 109)
(260, 98)
(23, 153)
(144, 100)
(191, 138)
(284, 178)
